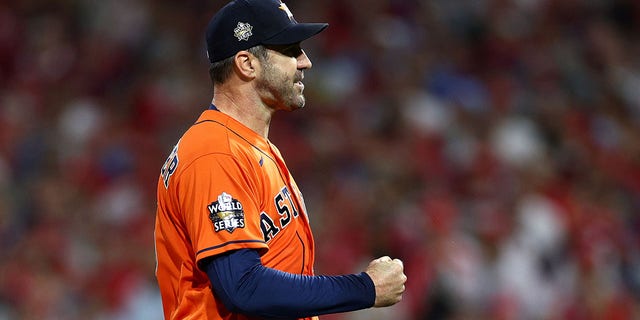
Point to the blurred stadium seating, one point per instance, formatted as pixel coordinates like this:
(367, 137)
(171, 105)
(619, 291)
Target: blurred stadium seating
(492, 145)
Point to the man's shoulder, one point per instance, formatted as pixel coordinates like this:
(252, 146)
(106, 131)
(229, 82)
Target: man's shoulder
(219, 134)
(205, 137)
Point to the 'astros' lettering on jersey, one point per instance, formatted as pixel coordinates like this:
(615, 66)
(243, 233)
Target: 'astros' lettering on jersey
(224, 187)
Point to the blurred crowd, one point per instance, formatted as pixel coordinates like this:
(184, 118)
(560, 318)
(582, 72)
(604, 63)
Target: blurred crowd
(492, 145)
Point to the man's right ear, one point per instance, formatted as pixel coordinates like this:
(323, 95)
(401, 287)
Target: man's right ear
(245, 64)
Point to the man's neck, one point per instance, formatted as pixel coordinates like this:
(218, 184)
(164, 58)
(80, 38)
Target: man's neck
(245, 109)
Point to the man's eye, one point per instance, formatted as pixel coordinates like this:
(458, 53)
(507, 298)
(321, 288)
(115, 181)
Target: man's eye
(292, 51)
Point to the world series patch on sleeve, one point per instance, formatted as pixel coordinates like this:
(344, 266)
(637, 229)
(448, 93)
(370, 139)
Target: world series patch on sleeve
(226, 213)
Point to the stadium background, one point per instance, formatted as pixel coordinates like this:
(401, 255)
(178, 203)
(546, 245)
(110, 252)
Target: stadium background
(494, 146)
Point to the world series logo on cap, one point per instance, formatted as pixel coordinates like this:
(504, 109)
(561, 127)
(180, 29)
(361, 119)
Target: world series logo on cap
(243, 31)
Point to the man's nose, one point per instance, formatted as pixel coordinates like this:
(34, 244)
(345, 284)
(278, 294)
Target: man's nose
(303, 61)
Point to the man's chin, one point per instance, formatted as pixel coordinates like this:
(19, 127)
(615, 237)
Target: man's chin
(299, 104)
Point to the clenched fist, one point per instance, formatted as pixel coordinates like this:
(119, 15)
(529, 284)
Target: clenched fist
(389, 278)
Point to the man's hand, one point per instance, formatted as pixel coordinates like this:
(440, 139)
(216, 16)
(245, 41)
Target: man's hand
(389, 278)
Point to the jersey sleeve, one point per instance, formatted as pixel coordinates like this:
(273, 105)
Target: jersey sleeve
(246, 286)
(219, 200)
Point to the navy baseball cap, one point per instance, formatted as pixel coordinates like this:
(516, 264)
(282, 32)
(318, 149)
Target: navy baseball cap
(243, 24)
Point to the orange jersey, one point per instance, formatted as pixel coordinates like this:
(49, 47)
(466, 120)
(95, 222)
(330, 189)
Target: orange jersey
(223, 188)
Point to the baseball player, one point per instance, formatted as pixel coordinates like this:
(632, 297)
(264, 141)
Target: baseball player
(232, 232)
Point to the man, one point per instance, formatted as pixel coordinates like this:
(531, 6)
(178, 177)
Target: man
(232, 232)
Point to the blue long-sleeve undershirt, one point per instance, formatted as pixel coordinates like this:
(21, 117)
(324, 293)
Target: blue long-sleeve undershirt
(245, 286)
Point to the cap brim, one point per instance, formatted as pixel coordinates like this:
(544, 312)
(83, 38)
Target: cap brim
(296, 33)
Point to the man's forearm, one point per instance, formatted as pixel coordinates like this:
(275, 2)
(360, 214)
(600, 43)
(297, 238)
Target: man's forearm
(246, 286)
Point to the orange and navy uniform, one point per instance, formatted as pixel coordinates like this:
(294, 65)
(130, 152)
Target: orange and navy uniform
(223, 188)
